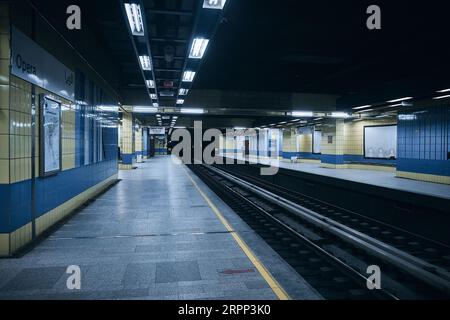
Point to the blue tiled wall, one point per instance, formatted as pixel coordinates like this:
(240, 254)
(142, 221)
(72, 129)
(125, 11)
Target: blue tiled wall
(424, 141)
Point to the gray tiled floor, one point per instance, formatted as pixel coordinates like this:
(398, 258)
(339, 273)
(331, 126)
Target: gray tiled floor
(372, 177)
(151, 236)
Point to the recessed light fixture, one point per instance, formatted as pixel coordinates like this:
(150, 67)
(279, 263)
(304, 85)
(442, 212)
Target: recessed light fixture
(362, 107)
(153, 96)
(188, 76)
(150, 83)
(214, 4)
(180, 101)
(134, 16)
(183, 92)
(400, 99)
(146, 64)
(145, 109)
(192, 111)
(198, 48)
(441, 97)
(302, 114)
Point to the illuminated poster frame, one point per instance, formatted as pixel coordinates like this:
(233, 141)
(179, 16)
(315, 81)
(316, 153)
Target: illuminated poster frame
(50, 155)
(386, 155)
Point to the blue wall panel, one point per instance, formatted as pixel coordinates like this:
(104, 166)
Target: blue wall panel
(424, 141)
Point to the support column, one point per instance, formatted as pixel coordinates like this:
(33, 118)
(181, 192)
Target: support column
(128, 153)
(289, 148)
(333, 144)
(138, 145)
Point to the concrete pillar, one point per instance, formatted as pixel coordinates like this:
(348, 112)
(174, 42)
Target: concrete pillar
(127, 143)
(333, 144)
(289, 148)
(138, 145)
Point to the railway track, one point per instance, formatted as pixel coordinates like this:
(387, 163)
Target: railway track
(331, 254)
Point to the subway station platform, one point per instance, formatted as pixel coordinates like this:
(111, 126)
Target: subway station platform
(159, 233)
(366, 176)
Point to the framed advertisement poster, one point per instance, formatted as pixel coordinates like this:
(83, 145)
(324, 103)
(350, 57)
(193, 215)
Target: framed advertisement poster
(50, 136)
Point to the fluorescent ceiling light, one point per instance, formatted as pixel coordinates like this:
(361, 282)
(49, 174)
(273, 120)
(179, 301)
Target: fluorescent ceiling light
(367, 110)
(340, 115)
(134, 16)
(395, 105)
(302, 114)
(153, 96)
(156, 105)
(441, 97)
(108, 108)
(240, 128)
(180, 101)
(442, 91)
(146, 64)
(214, 4)
(188, 76)
(192, 111)
(198, 48)
(145, 109)
(150, 83)
(407, 117)
(362, 107)
(183, 92)
(400, 99)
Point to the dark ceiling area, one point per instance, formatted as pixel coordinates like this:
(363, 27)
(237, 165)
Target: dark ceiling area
(289, 46)
(325, 47)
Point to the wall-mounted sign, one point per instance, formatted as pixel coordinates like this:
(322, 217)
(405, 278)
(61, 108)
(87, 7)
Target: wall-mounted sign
(50, 136)
(330, 139)
(33, 64)
(156, 131)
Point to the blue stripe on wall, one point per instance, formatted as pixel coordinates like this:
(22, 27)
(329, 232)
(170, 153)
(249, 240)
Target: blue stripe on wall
(358, 158)
(51, 192)
(434, 167)
(128, 158)
(332, 159)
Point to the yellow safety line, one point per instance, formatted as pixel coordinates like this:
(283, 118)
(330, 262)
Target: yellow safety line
(274, 285)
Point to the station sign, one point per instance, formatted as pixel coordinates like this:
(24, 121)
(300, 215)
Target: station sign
(32, 63)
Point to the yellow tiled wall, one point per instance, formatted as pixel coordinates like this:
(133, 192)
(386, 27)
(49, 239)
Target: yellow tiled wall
(138, 140)
(20, 131)
(354, 134)
(68, 136)
(335, 129)
(305, 142)
(4, 92)
(127, 134)
(289, 141)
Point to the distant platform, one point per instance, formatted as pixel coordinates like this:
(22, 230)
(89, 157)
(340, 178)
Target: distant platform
(377, 178)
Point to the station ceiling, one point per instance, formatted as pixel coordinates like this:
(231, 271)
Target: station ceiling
(272, 48)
